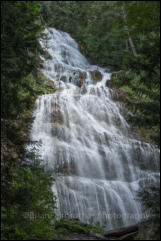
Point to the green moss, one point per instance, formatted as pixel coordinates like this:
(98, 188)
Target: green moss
(40, 78)
(41, 90)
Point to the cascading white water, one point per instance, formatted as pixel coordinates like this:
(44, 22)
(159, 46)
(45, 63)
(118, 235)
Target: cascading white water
(97, 162)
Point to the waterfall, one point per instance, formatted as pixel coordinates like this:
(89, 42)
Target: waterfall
(98, 163)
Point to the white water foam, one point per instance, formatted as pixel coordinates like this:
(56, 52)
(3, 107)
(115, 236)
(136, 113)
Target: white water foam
(97, 163)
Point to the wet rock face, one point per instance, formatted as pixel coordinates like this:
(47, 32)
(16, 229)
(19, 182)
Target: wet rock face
(41, 64)
(61, 132)
(56, 116)
(82, 77)
(63, 78)
(96, 75)
(49, 84)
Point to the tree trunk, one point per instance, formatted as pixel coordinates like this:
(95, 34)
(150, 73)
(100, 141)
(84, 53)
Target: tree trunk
(127, 29)
(126, 44)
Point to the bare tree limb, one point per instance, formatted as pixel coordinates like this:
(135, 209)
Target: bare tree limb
(123, 13)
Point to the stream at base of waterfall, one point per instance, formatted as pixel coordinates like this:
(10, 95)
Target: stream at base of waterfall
(98, 163)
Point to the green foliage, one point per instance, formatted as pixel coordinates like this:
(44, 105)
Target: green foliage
(27, 201)
(68, 225)
(26, 185)
(140, 76)
(21, 30)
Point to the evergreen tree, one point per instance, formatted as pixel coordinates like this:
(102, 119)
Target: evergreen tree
(21, 29)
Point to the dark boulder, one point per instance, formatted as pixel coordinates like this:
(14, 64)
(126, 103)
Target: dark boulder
(82, 77)
(96, 75)
(63, 78)
(41, 64)
(49, 84)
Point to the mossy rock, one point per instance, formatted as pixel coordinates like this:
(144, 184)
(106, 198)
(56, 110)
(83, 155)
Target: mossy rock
(41, 78)
(49, 84)
(46, 54)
